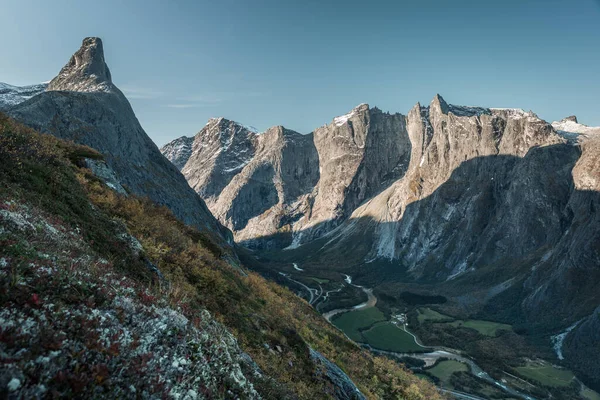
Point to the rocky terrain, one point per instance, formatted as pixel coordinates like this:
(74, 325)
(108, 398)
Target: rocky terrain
(12, 95)
(101, 283)
(497, 207)
(280, 188)
(82, 104)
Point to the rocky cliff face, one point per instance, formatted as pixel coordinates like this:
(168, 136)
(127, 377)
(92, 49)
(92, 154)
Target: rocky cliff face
(496, 206)
(280, 188)
(178, 151)
(12, 95)
(82, 104)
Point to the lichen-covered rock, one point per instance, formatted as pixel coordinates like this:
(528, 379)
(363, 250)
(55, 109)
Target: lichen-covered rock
(71, 325)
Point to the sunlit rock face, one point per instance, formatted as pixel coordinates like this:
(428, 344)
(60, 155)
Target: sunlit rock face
(280, 188)
(83, 104)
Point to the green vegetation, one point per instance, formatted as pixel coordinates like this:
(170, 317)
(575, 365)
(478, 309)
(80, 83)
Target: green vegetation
(42, 172)
(466, 382)
(424, 377)
(427, 314)
(319, 280)
(486, 328)
(546, 374)
(389, 337)
(444, 370)
(590, 394)
(352, 322)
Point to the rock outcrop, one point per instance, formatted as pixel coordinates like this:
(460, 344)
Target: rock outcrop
(82, 104)
(11, 95)
(280, 188)
(178, 151)
(496, 207)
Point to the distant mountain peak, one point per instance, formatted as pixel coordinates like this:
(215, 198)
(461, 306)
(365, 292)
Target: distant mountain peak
(12, 95)
(571, 118)
(86, 71)
(439, 104)
(219, 120)
(342, 119)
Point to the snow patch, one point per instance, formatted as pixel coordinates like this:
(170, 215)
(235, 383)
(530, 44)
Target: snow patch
(342, 119)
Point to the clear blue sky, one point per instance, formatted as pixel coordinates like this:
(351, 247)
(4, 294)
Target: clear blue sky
(300, 63)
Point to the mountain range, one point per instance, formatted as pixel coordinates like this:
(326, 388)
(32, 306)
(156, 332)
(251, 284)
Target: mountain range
(495, 209)
(485, 214)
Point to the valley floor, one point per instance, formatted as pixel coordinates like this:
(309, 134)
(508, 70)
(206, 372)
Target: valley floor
(395, 333)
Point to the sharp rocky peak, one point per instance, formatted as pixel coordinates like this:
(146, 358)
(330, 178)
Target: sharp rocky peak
(223, 122)
(342, 119)
(571, 118)
(439, 104)
(86, 71)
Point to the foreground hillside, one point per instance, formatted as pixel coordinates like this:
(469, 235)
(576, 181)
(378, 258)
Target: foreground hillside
(100, 288)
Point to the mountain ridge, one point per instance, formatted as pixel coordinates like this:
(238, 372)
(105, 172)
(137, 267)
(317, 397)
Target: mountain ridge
(82, 104)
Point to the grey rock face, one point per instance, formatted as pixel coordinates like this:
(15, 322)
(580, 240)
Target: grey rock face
(104, 172)
(178, 151)
(82, 104)
(500, 209)
(86, 71)
(12, 95)
(281, 188)
(344, 388)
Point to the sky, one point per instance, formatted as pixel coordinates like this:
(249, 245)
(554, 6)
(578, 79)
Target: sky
(301, 63)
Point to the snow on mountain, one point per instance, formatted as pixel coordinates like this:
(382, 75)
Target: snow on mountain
(178, 151)
(570, 125)
(342, 119)
(12, 95)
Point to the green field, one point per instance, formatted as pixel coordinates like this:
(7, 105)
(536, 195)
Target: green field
(486, 328)
(547, 374)
(444, 369)
(389, 337)
(427, 314)
(351, 322)
(424, 377)
(319, 280)
(590, 394)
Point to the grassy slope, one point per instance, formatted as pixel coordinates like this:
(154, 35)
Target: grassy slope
(262, 315)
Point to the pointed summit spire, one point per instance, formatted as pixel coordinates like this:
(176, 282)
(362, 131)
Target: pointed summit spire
(439, 104)
(86, 71)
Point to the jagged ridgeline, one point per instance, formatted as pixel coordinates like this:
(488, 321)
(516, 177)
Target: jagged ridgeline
(494, 209)
(107, 293)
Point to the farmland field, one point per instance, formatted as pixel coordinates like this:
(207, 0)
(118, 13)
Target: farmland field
(389, 337)
(444, 369)
(486, 328)
(351, 322)
(427, 314)
(546, 374)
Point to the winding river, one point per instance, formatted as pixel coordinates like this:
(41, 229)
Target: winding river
(429, 357)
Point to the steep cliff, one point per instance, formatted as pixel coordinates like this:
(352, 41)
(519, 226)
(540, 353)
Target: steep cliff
(280, 188)
(82, 104)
